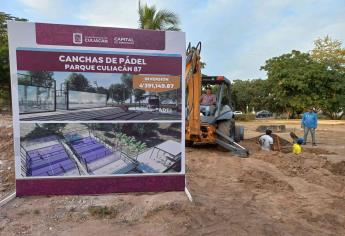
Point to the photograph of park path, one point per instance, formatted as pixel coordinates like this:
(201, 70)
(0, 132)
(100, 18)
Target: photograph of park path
(64, 96)
(61, 149)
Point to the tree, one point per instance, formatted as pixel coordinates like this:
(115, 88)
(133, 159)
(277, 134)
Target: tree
(127, 80)
(251, 93)
(329, 51)
(118, 92)
(151, 18)
(90, 89)
(77, 81)
(54, 127)
(297, 82)
(102, 90)
(138, 93)
(37, 78)
(4, 55)
(143, 129)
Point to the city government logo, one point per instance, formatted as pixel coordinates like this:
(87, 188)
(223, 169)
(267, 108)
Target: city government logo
(77, 38)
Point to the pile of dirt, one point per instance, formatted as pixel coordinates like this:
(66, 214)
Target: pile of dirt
(279, 143)
(317, 151)
(7, 177)
(264, 180)
(336, 168)
(314, 168)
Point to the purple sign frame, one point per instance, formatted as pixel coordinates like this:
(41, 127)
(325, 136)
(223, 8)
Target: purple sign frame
(98, 185)
(97, 62)
(91, 36)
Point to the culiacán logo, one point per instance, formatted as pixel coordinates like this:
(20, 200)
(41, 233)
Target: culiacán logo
(77, 38)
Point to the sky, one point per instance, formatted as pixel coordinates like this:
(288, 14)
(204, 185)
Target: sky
(237, 36)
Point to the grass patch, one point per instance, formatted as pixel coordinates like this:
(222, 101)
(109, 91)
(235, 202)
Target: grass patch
(173, 207)
(102, 211)
(245, 117)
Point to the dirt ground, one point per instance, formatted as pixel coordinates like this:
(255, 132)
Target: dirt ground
(269, 193)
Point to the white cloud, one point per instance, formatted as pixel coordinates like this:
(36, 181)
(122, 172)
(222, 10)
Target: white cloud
(297, 31)
(111, 13)
(237, 36)
(51, 8)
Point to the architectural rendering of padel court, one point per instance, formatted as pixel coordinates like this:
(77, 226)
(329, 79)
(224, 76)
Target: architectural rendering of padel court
(41, 99)
(86, 152)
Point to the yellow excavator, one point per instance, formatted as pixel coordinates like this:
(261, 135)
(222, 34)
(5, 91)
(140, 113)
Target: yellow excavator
(214, 125)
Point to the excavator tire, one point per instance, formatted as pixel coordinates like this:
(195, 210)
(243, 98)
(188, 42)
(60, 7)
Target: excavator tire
(225, 126)
(229, 128)
(239, 133)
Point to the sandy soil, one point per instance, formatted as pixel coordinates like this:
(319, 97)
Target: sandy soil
(267, 194)
(6, 156)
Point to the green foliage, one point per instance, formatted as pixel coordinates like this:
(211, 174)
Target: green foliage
(103, 211)
(151, 18)
(251, 93)
(329, 51)
(129, 143)
(37, 132)
(297, 82)
(127, 80)
(245, 117)
(118, 92)
(5, 92)
(144, 129)
(54, 127)
(77, 81)
(127, 135)
(138, 93)
(45, 130)
(38, 78)
(102, 90)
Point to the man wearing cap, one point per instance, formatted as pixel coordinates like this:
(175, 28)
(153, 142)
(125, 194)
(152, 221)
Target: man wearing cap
(309, 124)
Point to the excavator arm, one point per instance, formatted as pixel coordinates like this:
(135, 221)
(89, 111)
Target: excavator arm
(193, 91)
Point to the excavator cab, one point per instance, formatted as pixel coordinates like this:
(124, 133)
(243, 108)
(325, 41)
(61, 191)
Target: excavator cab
(220, 87)
(222, 112)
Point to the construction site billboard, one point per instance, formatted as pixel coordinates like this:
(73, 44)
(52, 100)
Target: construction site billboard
(97, 109)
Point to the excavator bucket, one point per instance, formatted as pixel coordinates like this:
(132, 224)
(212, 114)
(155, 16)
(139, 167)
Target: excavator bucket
(229, 144)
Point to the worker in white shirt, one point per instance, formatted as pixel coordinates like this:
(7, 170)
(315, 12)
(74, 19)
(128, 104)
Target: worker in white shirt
(266, 141)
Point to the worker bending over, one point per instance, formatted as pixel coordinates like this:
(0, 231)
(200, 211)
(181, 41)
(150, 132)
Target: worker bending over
(266, 141)
(296, 148)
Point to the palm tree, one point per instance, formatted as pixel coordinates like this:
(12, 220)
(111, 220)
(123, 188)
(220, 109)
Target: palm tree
(151, 18)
